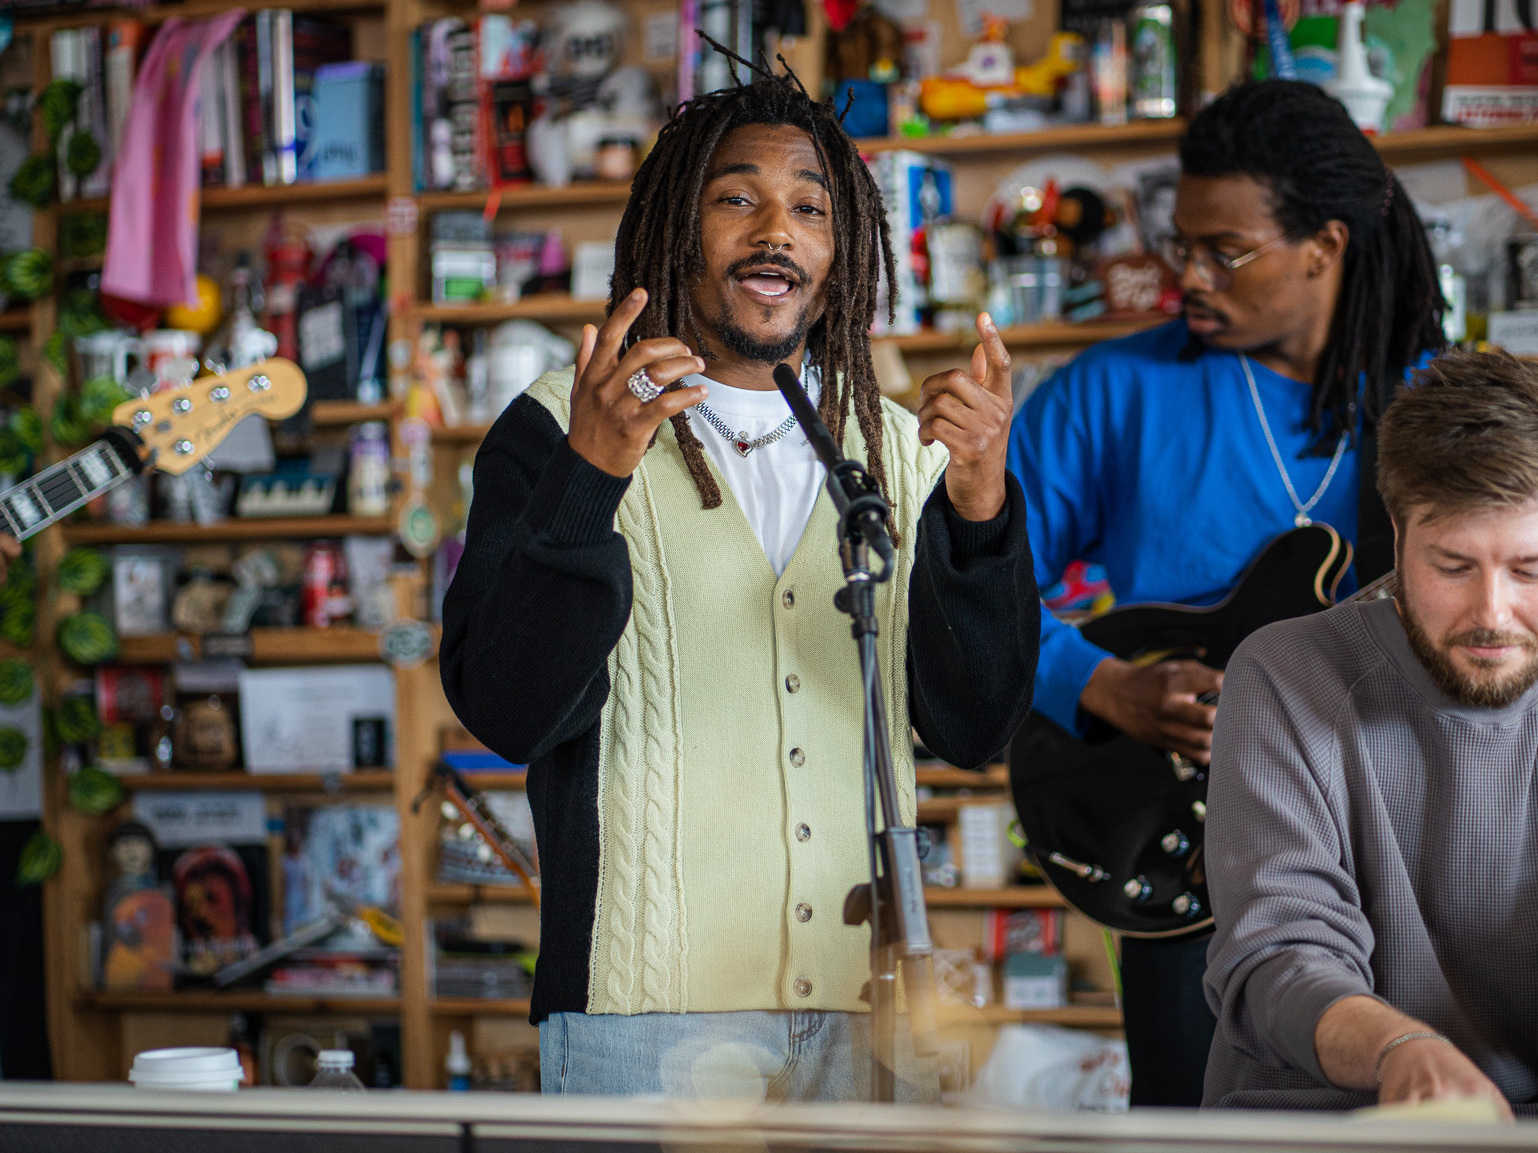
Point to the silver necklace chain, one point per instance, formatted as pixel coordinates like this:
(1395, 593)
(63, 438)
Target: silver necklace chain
(1265, 426)
(738, 440)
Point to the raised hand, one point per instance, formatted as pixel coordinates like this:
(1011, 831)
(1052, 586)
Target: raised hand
(611, 428)
(968, 412)
(1157, 704)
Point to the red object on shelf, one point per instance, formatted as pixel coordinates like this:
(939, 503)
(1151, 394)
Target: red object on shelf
(288, 263)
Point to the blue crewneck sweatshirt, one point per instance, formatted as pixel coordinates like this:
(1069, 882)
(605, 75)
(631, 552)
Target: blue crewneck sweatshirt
(1156, 467)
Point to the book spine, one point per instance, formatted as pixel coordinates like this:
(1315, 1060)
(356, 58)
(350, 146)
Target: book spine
(122, 59)
(248, 73)
(64, 53)
(264, 81)
(92, 113)
(210, 120)
(230, 106)
(418, 111)
(283, 95)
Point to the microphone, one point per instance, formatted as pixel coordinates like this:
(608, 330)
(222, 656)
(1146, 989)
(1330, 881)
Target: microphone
(862, 510)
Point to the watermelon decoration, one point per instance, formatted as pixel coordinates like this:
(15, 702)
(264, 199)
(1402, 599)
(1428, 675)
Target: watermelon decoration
(13, 748)
(28, 426)
(82, 234)
(18, 621)
(99, 396)
(86, 639)
(95, 792)
(56, 104)
(40, 859)
(28, 273)
(77, 721)
(20, 577)
(14, 457)
(82, 154)
(82, 570)
(80, 313)
(10, 362)
(69, 423)
(15, 681)
(32, 183)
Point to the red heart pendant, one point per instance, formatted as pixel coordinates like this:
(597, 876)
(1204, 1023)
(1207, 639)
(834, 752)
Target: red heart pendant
(742, 447)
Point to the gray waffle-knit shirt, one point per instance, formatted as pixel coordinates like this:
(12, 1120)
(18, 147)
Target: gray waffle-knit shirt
(1366, 834)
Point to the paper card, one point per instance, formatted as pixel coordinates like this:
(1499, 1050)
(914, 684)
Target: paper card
(21, 789)
(301, 720)
(661, 29)
(182, 820)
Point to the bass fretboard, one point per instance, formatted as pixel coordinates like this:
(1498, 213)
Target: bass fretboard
(59, 490)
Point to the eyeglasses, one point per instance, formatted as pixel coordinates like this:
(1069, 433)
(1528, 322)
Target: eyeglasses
(1215, 269)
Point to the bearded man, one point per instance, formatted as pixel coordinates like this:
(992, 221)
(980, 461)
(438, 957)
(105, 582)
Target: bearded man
(644, 613)
(1372, 810)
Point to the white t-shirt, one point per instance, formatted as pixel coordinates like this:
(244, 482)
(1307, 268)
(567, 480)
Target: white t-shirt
(775, 485)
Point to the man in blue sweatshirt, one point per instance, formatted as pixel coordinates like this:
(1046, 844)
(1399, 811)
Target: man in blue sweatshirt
(1174, 456)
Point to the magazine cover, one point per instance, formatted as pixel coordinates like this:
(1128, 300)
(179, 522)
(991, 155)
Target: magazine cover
(348, 850)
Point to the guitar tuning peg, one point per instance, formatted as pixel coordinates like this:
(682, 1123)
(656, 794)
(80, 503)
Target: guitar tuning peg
(1138, 889)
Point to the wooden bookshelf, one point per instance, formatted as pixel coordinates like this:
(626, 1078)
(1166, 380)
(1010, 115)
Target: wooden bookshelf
(447, 893)
(235, 1001)
(582, 192)
(1451, 138)
(1013, 897)
(270, 646)
(233, 529)
(479, 1007)
(945, 777)
(555, 307)
(16, 319)
(1029, 335)
(1064, 136)
(357, 781)
(341, 412)
(267, 195)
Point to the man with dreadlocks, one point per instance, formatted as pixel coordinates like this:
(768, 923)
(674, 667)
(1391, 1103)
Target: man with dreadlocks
(644, 613)
(1174, 456)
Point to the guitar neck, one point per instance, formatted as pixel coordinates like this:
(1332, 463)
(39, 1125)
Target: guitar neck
(54, 493)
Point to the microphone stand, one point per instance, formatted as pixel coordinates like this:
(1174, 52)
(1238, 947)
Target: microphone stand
(893, 900)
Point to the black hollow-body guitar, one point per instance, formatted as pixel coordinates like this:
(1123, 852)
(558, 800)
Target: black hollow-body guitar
(1116, 825)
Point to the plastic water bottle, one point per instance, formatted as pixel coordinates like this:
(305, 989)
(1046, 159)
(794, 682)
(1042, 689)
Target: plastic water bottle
(334, 1071)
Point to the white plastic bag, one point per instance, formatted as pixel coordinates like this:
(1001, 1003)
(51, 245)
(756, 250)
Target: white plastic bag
(1045, 1067)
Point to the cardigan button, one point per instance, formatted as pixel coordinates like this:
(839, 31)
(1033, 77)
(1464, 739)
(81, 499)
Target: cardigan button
(803, 832)
(797, 758)
(788, 598)
(803, 912)
(792, 683)
(803, 987)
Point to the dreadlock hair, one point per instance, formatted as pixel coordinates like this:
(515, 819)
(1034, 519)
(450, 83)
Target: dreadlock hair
(658, 248)
(1303, 147)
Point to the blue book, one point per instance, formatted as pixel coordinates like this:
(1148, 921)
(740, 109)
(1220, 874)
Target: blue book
(347, 133)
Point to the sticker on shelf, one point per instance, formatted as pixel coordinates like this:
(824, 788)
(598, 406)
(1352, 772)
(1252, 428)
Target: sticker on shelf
(401, 216)
(406, 644)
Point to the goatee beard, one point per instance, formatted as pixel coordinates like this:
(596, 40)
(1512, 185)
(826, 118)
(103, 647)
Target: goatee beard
(1459, 685)
(738, 341)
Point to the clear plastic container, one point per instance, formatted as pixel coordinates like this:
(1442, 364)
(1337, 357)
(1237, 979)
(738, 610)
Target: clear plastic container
(334, 1070)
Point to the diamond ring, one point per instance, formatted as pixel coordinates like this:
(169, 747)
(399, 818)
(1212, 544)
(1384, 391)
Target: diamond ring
(643, 386)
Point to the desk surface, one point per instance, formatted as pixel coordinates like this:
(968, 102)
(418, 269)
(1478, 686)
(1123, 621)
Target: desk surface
(73, 1116)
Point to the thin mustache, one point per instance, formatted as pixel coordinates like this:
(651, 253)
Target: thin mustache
(777, 259)
(1486, 639)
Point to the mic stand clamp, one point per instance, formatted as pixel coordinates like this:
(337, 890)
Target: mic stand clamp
(893, 900)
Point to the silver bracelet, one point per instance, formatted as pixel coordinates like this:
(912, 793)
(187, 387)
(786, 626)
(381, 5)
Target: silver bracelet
(1418, 1034)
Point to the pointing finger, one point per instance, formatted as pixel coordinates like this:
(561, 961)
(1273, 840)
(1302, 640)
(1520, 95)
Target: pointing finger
(585, 349)
(612, 335)
(995, 358)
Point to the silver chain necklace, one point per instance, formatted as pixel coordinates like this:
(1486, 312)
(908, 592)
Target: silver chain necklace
(1265, 426)
(738, 440)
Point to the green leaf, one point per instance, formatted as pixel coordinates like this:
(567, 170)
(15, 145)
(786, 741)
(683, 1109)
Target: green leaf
(33, 182)
(18, 623)
(14, 457)
(86, 639)
(69, 425)
(77, 720)
(82, 570)
(16, 683)
(56, 104)
(83, 154)
(83, 234)
(99, 396)
(40, 859)
(94, 791)
(10, 362)
(28, 427)
(13, 748)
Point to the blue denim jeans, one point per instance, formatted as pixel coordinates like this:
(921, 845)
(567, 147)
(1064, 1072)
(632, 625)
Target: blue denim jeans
(807, 1056)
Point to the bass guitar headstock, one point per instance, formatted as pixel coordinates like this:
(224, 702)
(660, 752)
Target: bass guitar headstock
(181, 426)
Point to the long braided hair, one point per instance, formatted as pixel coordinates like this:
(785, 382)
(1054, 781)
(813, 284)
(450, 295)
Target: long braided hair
(658, 248)
(1302, 145)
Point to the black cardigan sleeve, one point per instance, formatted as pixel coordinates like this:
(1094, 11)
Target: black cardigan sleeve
(542, 592)
(974, 627)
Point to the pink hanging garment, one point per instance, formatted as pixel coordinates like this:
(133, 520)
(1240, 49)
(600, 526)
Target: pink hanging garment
(152, 234)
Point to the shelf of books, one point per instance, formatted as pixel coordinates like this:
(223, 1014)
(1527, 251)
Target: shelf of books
(352, 781)
(261, 645)
(198, 1001)
(230, 529)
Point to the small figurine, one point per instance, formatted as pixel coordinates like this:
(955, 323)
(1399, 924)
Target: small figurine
(139, 915)
(988, 76)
